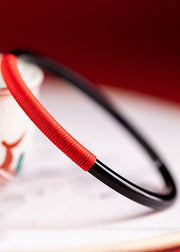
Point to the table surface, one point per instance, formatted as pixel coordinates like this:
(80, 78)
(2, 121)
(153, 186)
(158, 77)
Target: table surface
(54, 198)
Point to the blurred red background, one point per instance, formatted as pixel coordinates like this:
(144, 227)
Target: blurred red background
(133, 44)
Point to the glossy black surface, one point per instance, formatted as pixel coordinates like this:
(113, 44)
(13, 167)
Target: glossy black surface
(132, 191)
(99, 170)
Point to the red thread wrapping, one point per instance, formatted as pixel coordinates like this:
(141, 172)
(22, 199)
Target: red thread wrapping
(41, 117)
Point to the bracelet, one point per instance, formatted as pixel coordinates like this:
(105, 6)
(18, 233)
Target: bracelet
(69, 145)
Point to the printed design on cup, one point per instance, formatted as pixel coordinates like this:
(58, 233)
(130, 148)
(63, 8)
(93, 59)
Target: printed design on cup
(6, 171)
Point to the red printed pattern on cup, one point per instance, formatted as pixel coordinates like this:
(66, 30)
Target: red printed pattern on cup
(6, 171)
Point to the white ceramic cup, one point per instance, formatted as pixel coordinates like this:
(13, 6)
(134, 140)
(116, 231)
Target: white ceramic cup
(15, 126)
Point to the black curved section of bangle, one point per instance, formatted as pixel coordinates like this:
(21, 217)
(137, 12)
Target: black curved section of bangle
(100, 170)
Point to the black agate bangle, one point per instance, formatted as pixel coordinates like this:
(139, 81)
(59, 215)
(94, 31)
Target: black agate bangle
(91, 164)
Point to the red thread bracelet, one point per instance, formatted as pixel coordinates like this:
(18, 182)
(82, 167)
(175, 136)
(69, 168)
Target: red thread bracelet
(70, 146)
(41, 117)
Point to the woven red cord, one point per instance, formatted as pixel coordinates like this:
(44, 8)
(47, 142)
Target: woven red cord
(40, 116)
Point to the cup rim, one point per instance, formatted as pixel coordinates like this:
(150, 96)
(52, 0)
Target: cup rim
(33, 80)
